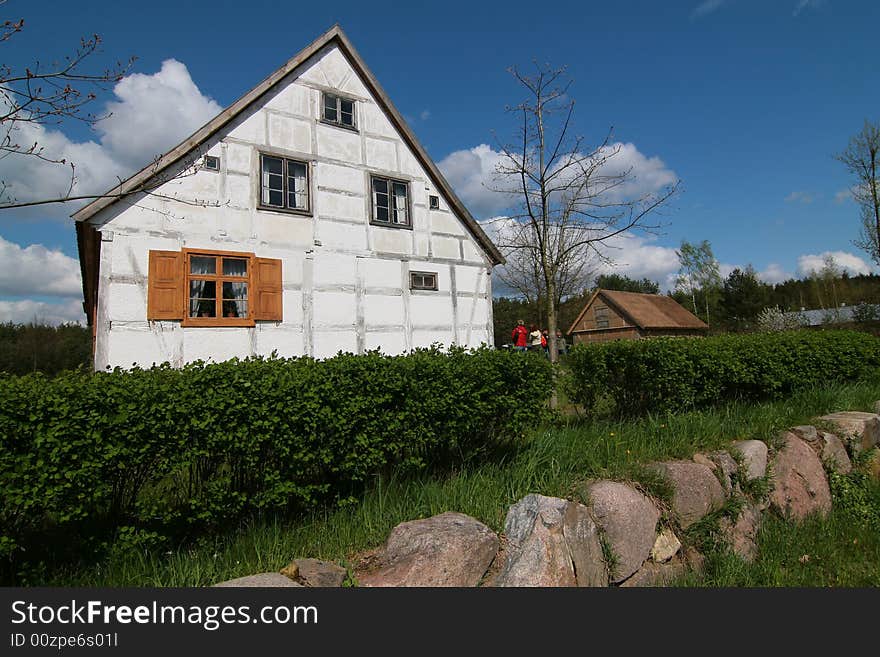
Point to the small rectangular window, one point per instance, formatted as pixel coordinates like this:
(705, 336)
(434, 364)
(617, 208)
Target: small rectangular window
(212, 163)
(422, 280)
(601, 315)
(390, 202)
(338, 110)
(434, 202)
(284, 184)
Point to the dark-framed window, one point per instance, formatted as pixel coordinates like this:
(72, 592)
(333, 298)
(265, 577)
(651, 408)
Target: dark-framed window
(284, 183)
(390, 202)
(434, 202)
(423, 280)
(338, 110)
(211, 163)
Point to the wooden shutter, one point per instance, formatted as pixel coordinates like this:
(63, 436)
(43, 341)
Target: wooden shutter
(267, 289)
(165, 285)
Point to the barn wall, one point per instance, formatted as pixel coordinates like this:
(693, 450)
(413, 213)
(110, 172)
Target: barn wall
(345, 281)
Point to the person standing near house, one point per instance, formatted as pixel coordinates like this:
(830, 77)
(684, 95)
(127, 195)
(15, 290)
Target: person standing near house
(520, 336)
(535, 338)
(561, 344)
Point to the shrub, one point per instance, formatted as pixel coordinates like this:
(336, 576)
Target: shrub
(176, 451)
(672, 374)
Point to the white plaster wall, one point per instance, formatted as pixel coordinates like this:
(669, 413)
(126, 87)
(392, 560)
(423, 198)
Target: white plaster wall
(346, 282)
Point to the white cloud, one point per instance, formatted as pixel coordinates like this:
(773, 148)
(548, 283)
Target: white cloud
(425, 115)
(151, 113)
(638, 256)
(27, 311)
(774, 273)
(807, 4)
(36, 270)
(799, 197)
(707, 7)
(813, 262)
(844, 195)
(471, 173)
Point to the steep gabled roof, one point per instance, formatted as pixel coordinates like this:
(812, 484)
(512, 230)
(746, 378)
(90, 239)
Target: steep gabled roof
(336, 36)
(646, 311)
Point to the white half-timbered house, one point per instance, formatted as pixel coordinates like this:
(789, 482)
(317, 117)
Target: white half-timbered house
(304, 219)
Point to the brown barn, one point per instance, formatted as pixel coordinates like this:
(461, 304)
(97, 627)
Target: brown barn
(612, 315)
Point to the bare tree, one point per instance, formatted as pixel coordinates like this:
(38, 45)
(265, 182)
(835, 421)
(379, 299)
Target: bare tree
(571, 199)
(522, 271)
(48, 94)
(862, 159)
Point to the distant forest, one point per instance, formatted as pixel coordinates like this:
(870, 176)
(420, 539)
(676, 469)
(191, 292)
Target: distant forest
(28, 348)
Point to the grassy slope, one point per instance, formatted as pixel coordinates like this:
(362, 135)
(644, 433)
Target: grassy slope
(553, 461)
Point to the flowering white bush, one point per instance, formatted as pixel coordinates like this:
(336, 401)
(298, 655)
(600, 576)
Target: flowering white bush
(774, 319)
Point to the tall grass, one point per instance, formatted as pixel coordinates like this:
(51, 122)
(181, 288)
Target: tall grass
(552, 461)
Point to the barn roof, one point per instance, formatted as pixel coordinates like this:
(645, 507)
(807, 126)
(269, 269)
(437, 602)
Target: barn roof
(334, 35)
(646, 311)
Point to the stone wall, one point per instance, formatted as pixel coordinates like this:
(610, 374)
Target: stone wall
(617, 533)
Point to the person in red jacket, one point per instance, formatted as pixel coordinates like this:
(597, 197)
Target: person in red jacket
(520, 336)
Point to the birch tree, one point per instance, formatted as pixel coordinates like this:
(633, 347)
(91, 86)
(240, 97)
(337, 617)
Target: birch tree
(862, 160)
(570, 198)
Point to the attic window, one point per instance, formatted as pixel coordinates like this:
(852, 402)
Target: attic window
(601, 315)
(211, 163)
(338, 110)
(422, 280)
(434, 202)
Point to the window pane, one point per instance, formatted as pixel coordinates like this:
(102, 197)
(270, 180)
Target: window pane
(381, 200)
(273, 181)
(346, 108)
(330, 107)
(400, 205)
(235, 299)
(202, 265)
(297, 188)
(234, 267)
(202, 299)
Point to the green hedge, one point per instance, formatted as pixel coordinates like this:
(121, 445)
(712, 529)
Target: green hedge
(671, 374)
(167, 451)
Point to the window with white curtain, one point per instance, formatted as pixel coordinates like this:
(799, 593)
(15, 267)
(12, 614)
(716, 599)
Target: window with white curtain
(218, 286)
(390, 202)
(284, 183)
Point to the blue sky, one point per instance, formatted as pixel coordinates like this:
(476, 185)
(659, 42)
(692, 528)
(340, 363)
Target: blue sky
(746, 101)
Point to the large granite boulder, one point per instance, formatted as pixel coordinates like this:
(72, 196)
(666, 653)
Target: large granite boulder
(861, 431)
(628, 520)
(260, 580)
(799, 484)
(551, 542)
(754, 456)
(450, 549)
(697, 490)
